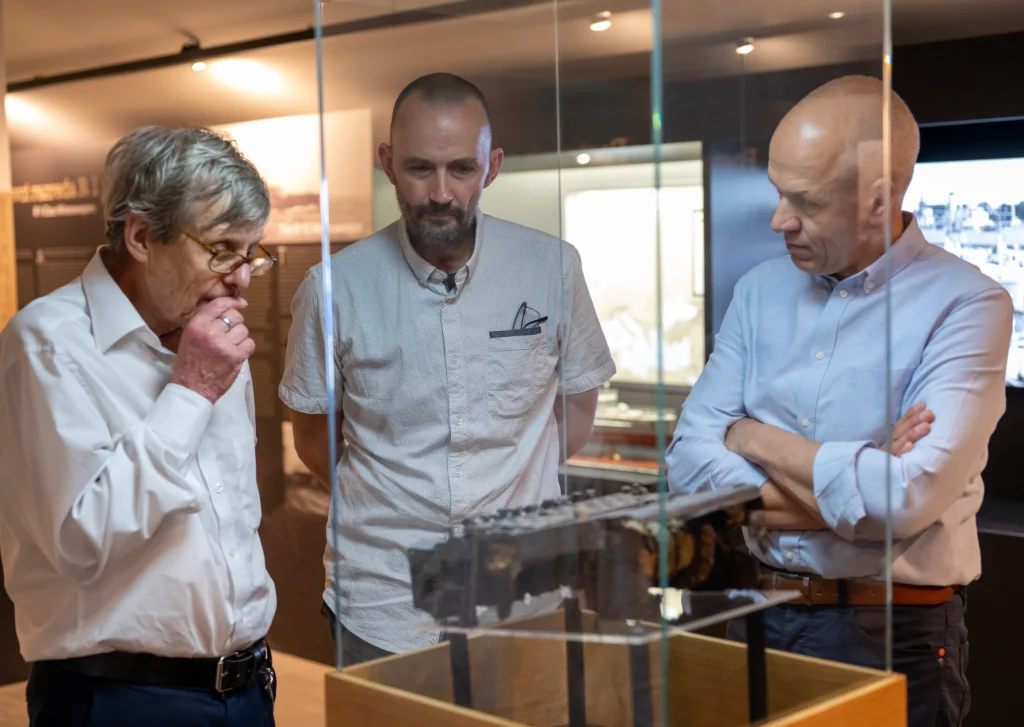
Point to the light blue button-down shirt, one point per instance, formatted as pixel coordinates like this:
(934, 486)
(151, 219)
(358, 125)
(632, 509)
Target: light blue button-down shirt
(806, 353)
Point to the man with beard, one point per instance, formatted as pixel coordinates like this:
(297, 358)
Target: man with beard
(456, 335)
(793, 401)
(129, 509)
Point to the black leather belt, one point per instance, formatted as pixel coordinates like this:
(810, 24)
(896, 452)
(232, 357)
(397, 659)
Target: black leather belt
(223, 674)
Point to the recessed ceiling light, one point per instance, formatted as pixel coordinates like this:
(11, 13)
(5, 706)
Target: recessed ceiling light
(199, 66)
(583, 159)
(837, 15)
(745, 46)
(601, 21)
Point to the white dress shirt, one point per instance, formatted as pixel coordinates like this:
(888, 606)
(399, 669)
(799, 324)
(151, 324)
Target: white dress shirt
(128, 505)
(442, 417)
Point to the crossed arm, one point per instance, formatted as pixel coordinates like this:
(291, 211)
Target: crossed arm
(788, 460)
(842, 483)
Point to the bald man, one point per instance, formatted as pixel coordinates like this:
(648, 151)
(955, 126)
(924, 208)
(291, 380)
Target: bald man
(793, 400)
(456, 334)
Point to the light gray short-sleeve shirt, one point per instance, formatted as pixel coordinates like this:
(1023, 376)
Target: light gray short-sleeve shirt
(447, 410)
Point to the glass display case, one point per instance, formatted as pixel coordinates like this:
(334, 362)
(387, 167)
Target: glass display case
(533, 370)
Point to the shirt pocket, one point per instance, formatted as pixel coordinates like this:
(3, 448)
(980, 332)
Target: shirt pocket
(513, 372)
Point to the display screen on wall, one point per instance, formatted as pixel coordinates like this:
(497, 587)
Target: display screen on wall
(975, 209)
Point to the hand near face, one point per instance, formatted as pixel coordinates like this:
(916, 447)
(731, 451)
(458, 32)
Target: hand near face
(210, 352)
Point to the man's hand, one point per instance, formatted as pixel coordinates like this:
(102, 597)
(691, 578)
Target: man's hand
(784, 512)
(911, 428)
(210, 353)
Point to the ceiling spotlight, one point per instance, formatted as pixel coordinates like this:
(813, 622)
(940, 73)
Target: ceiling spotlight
(837, 15)
(601, 21)
(583, 159)
(199, 66)
(745, 46)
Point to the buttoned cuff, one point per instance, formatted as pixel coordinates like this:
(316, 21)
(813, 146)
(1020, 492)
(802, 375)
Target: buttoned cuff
(179, 417)
(836, 486)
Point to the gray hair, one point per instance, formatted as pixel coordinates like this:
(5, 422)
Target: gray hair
(167, 175)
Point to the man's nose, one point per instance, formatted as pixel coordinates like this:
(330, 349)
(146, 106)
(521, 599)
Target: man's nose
(784, 221)
(440, 191)
(240, 278)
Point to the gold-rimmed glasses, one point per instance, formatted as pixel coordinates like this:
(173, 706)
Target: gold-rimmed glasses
(225, 262)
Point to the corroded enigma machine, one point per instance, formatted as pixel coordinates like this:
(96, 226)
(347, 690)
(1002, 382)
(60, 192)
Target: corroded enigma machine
(607, 548)
(612, 553)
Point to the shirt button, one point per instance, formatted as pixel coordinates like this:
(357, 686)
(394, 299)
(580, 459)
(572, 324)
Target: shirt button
(458, 422)
(868, 287)
(789, 555)
(455, 360)
(806, 423)
(819, 355)
(843, 293)
(218, 488)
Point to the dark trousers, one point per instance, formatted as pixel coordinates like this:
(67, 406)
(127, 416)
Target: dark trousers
(353, 649)
(59, 698)
(929, 647)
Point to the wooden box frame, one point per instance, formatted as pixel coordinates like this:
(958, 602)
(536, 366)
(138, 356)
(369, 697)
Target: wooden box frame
(522, 681)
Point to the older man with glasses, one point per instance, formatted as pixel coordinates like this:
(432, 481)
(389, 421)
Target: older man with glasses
(128, 499)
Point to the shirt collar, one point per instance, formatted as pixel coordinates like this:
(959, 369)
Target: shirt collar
(427, 273)
(901, 253)
(113, 315)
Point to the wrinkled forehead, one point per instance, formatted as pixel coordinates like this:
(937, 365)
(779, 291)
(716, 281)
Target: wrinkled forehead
(441, 132)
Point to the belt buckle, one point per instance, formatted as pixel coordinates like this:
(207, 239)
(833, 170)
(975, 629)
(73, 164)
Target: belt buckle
(805, 588)
(219, 684)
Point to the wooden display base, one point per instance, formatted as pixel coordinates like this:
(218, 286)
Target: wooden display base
(522, 681)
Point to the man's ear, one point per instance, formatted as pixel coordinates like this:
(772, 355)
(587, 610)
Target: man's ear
(878, 211)
(386, 161)
(137, 239)
(497, 159)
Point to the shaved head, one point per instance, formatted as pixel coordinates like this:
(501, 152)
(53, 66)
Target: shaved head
(826, 159)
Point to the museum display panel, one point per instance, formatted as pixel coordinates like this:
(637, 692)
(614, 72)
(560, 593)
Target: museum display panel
(538, 576)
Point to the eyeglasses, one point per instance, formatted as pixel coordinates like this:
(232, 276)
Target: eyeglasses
(225, 262)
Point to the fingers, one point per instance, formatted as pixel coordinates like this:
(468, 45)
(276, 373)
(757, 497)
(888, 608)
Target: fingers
(907, 421)
(219, 306)
(238, 334)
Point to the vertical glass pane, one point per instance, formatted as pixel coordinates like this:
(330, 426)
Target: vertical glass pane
(799, 395)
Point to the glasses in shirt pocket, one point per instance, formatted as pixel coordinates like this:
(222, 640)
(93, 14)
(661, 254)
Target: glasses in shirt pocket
(514, 366)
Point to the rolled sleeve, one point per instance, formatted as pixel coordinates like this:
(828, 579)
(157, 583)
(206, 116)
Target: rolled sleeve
(836, 486)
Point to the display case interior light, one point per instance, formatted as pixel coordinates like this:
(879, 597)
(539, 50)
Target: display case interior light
(745, 46)
(583, 159)
(601, 22)
(199, 66)
(837, 15)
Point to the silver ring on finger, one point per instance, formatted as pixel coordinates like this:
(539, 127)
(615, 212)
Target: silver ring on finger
(227, 322)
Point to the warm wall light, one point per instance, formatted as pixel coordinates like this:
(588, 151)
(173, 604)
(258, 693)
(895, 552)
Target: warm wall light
(837, 15)
(22, 112)
(199, 66)
(583, 159)
(601, 21)
(745, 46)
(246, 75)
